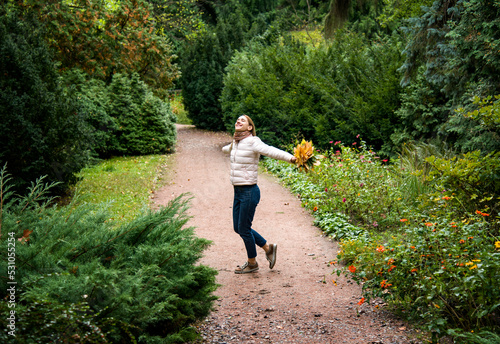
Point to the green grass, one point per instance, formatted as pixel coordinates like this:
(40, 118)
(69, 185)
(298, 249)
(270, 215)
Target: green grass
(126, 183)
(178, 108)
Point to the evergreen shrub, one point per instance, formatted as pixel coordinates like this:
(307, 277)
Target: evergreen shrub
(450, 45)
(93, 101)
(203, 62)
(128, 119)
(42, 132)
(138, 282)
(333, 92)
(201, 80)
(145, 123)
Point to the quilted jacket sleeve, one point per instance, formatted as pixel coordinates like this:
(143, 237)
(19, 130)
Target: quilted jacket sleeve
(227, 149)
(270, 151)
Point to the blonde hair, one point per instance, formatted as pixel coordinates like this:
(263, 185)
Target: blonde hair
(251, 123)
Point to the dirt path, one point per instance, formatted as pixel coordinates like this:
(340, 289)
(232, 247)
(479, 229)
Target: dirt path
(297, 301)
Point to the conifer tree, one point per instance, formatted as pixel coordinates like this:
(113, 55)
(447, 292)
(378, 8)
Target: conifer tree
(145, 124)
(42, 131)
(203, 64)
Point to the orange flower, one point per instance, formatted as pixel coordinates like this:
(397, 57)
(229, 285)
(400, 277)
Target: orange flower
(428, 224)
(413, 247)
(390, 261)
(478, 212)
(484, 214)
(380, 248)
(352, 268)
(384, 284)
(403, 220)
(392, 268)
(361, 301)
(462, 241)
(447, 198)
(414, 270)
(315, 209)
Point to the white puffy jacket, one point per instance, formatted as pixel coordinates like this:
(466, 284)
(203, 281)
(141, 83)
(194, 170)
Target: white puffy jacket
(245, 159)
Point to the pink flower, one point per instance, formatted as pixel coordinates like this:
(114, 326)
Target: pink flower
(354, 143)
(361, 185)
(326, 189)
(331, 141)
(385, 160)
(344, 200)
(357, 136)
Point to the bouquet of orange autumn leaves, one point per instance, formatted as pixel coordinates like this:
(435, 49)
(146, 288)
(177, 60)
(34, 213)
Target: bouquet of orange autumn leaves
(304, 152)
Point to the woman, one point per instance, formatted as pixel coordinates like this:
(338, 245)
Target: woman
(245, 151)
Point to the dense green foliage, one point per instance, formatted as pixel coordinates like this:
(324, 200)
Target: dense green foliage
(146, 124)
(422, 234)
(42, 132)
(180, 19)
(454, 45)
(349, 85)
(333, 92)
(203, 62)
(139, 282)
(129, 118)
(202, 81)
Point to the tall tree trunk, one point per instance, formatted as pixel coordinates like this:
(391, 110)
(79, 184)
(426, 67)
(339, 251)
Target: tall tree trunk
(337, 16)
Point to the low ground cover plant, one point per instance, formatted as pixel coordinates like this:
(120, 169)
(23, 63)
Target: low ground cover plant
(423, 236)
(81, 279)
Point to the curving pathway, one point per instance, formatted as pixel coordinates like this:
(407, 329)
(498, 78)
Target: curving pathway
(300, 300)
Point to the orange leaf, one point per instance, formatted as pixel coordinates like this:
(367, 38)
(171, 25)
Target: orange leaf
(25, 237)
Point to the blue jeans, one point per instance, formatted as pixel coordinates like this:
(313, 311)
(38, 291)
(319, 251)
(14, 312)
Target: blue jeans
(246, 198)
